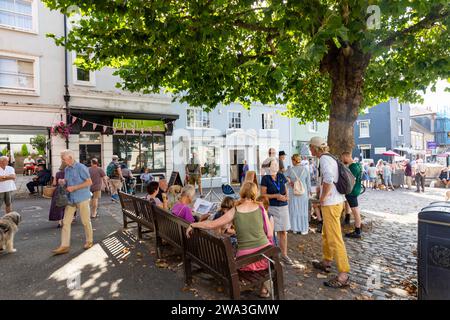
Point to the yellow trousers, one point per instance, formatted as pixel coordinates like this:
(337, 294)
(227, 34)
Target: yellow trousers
(85, 214)
(333, 247)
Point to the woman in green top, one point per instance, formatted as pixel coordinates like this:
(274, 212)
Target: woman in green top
(252, 225)
(352, 197)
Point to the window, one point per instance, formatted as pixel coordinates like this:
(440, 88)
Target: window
(82, 76)
(364, 129)
(19, 73)
(18, 15)
(365, 151)
(313, 126)
(267, 121)
(234, 120)
(209, 157)
(141, 151)
(197, 118)
(400, 107)
(400, 127)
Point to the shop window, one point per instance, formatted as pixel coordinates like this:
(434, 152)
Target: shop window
(141, 151)
(208, 156)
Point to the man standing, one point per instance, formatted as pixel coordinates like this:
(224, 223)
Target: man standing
(98, 177)
(332, 204)
(281, 161)
(421, 173)
(77, 181)
(352, 197)
(114, 173)
(265, 167)
(194, 173)
(408, 174)
(42, 178)
(7, 185)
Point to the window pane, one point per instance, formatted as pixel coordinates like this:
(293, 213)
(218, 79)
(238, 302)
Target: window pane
(146, 152)
(7, 4)
(160, 162)
(190, 118)
(7, 18)
(25, 82)
(158, 142)
(25, 67)
(8, 81)
(82, 75)
(23, 7)
(8, 65)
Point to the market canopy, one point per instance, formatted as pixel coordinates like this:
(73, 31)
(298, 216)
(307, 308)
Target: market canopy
(390, 153)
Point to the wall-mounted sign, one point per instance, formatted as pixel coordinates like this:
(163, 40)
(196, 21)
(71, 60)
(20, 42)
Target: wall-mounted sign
(431, 145)
(138, 125)
(380, 150)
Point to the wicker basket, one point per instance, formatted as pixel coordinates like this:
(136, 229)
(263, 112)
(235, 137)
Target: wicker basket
(48, 192)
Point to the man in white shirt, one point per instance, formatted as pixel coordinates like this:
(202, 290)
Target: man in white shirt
(331, 205)
(265, 167)
(421, 172)
(7, 185)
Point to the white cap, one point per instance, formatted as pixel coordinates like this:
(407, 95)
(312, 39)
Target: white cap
(318, 142)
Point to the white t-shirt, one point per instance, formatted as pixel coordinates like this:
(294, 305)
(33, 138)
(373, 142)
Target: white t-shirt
(329, 173)
(8, 185)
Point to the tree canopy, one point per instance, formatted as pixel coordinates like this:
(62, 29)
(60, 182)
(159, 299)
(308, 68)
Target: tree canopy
(208, 52)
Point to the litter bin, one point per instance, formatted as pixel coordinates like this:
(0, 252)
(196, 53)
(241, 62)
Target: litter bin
(433, 249)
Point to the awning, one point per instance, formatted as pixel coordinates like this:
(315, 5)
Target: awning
(404, 149)
(166, 117)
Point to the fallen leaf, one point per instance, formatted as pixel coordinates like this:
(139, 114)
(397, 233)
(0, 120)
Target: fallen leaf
(321, 276)
(125, 250)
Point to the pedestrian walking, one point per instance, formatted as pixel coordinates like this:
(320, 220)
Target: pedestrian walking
(57, 213)
(77, 181)
(298, 176)
(387, 176)
(7, 184)
(352, 197)
(421, 173)
(408, 174)
(373, 176)
(273, 186)
(114, 173)
(332, 204)
(245, 169)
(281, 161)
(98, 177)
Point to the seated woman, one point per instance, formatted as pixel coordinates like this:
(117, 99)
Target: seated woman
(444, 177)
(147, 177)
(152, 192)
(253, 228)
(181, 208)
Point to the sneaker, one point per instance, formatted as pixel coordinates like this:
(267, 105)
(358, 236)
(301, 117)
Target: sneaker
(354, 235)
(287, 260)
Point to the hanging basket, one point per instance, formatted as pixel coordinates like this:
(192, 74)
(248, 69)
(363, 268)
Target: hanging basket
(48, 192)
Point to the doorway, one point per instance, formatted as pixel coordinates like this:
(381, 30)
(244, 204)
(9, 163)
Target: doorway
(237, 157)
(90, 151)
(7, 146)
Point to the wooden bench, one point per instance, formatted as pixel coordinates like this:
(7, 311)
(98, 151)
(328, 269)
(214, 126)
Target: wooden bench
(136, 210)
(215, 255)
(212, 252)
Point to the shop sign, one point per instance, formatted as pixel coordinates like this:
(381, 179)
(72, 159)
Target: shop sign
(380, 150)
(431, 145)
(139, 125)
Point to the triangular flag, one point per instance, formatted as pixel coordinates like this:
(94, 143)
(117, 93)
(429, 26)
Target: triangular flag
(114, 130)
(52, 130)
(133, 130)
(142, 130)
(83, 123)
(104, 129)
(74, 119)
(94, 125)
(124, 130)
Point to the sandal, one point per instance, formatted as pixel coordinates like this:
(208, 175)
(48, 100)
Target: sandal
(320, 266)
(336, 284)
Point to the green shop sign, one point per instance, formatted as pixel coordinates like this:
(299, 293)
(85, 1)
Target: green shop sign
(139, 125)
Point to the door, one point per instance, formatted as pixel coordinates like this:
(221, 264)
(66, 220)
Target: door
(90, 151)
(237, 158)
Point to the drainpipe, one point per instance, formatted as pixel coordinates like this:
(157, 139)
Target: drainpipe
(66, 78)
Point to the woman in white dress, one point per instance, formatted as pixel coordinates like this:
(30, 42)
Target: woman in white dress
(299, 204)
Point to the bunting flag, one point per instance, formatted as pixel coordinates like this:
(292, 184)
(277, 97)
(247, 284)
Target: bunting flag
(74, 119)
(104, 129)
(94, 125)
(133, 130)
(52, 130)
(83, 123)
(142, 130)
(114, 130)
(124, 130)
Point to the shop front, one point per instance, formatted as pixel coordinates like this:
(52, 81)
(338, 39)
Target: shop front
(141, 140)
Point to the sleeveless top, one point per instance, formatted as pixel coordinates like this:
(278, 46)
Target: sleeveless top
(250, 229)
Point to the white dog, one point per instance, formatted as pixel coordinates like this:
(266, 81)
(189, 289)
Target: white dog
(8, 228)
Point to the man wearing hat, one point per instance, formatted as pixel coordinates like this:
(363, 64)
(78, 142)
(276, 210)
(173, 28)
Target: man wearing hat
(114, 173)
(331, 205)
(281, 159)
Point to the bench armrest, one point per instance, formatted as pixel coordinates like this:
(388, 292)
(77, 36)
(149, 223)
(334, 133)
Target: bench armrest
(269, 251)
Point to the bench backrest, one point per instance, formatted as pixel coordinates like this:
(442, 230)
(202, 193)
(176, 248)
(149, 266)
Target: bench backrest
(144, 209)
(127, 203)
(169, 227)
(211, 251)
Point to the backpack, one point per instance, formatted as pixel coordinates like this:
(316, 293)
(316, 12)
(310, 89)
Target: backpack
(299, 188)
(346, 179)
(111, 170)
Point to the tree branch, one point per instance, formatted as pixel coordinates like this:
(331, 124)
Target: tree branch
(433, 17)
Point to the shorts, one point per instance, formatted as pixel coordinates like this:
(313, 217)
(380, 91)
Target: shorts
(5, 197)
(373, 179)
(96, 194)
(195, 178)
(388, 180)
(352, 200)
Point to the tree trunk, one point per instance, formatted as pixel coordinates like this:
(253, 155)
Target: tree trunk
(346, 67)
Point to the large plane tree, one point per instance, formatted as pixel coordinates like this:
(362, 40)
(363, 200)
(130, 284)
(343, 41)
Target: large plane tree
(324, 59)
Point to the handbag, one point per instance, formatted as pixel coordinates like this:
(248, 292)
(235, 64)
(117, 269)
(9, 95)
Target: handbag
(62, 198)
(48, 192)
(299, 188)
